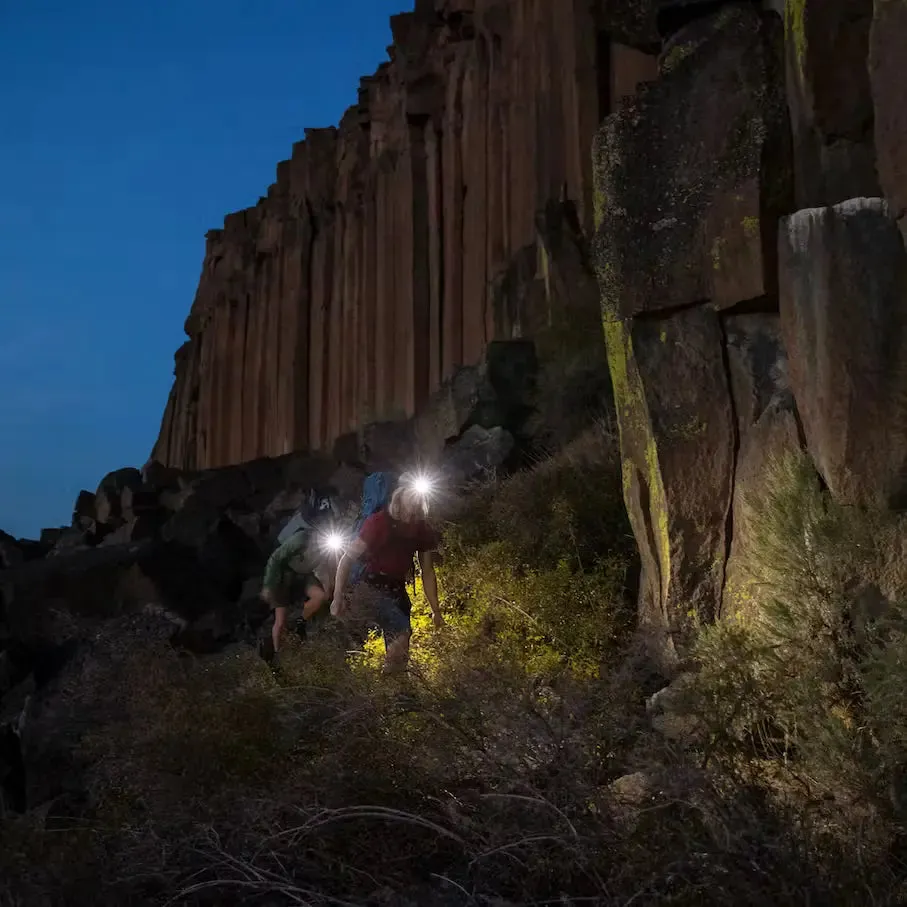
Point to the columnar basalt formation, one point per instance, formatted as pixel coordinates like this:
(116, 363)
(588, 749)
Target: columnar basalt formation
(746, 200)
(738, 327)
(378, 262)
(691, 176)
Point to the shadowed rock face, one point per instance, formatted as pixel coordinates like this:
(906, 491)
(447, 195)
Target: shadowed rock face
(690, 177)
(843, 314)
(886, 67)
(375, 266)
(677, 443)
(693, 172)
(828, 92)
(767, 430)
(754, 329)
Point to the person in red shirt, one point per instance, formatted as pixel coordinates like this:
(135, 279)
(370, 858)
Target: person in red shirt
(387, 542)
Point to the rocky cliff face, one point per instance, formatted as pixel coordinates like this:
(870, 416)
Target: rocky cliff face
(748, 204)
(393, 248)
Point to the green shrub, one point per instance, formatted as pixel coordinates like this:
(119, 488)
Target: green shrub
(813, 679)
(539, 563)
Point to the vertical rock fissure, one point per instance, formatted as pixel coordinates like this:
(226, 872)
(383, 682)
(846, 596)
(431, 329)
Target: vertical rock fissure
(603, 73)
(438, 176)
(244, 390)
(421, 232)
(735, 454)
(487, 212)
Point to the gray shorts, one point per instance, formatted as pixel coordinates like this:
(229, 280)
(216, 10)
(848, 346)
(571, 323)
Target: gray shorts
(294, 590)
(385, 607)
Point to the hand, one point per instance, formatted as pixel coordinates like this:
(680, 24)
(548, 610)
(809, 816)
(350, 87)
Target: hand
(266, 596)
(437, 619)
(338, 608)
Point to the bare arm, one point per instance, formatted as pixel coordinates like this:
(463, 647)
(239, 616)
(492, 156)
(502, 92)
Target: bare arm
(353, 553)
(430, 582)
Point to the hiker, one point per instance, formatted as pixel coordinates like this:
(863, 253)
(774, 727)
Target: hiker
(386, 543)
(376, 494)
(291, 572)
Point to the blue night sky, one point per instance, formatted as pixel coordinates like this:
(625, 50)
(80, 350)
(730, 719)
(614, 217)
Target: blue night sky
(126, 131)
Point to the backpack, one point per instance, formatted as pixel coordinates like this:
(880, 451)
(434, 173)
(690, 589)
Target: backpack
(305, 516)
(376, 494)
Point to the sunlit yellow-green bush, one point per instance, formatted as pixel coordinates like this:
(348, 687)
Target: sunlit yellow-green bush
(537, 566)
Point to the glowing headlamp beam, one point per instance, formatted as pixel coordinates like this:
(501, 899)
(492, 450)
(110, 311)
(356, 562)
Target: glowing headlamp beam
(334, 542)
(423, 485)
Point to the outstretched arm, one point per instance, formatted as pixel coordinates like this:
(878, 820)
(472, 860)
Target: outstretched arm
(352, 554)
(430, 584)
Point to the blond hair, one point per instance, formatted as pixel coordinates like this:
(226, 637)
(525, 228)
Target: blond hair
(406, 505)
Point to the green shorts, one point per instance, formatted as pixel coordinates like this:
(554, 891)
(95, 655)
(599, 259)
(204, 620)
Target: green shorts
(294, 589)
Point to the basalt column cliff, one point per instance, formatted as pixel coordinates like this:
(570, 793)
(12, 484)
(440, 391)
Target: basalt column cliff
(749, 245)
(393, 248)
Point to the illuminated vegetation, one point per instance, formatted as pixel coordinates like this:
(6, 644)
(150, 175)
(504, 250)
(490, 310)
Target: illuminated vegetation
(486, 774)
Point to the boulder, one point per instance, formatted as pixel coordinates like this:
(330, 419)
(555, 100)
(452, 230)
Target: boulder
(671, 16)
(139, 502)
(629, 21)
(691, 175)
(11, 554)
(158, 476)
(136, 530)
(83, 512)
(843, 272)
(69, 541)
(447, 412)
(630, 795)
(346, 448)
(170, 579)
(223, 550)
(15, 551)
(766, 428)
(886, 67)
(668, 713)
(51, 535)
(108, 497)
(677, 446)
(571, 292)
(220, 488)
(266, 474)
(477, 454)
(347, 481)
(644, 23)
(387, 446)
(46, 599)
(499, 391)
(307, 471)
(828, 91)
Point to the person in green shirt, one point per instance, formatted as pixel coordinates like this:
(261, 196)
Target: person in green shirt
(290, 578)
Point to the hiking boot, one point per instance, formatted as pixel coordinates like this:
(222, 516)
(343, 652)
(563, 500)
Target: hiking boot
(266, 650)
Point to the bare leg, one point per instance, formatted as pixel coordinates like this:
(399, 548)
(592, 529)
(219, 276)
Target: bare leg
(280, 622)
(396, 654)
(316, 598)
